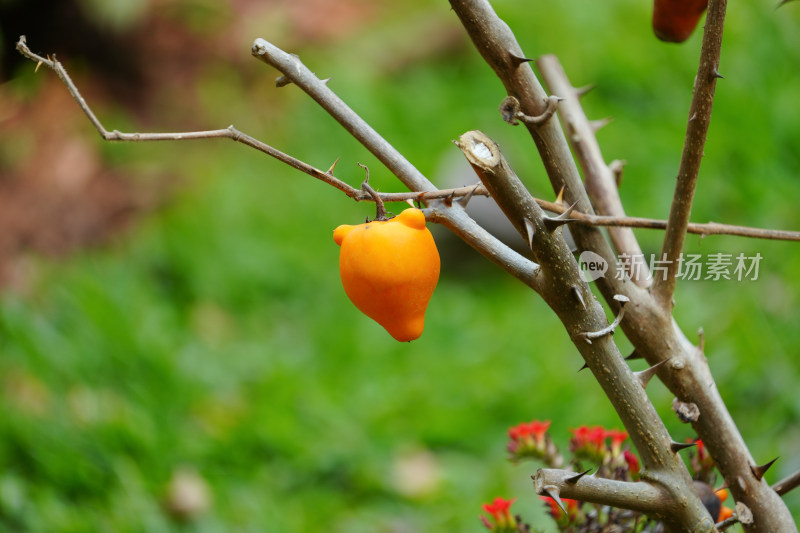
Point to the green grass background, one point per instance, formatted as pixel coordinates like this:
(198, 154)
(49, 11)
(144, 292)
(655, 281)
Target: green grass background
(216, 335)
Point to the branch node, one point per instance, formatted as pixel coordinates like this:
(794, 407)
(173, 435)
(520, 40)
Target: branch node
(687, 412)
(511, 112)
(608, 330)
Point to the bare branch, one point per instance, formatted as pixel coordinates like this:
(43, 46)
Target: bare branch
(599, 178)
(694, 142)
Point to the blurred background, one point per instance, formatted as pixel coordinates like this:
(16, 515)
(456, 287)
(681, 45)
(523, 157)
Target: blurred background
(176, 350)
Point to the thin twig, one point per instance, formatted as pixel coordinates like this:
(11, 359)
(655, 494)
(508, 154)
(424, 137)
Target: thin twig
(295, 71)
(229, 133)
(788, 483)
(694, 142)
(697, 228)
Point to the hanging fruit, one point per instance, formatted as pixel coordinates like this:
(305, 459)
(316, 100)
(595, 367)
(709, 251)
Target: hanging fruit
(675, 20)
(389, 269)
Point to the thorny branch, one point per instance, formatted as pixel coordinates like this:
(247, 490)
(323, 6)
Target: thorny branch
(696, 130)
(560, 284)
(648, 325)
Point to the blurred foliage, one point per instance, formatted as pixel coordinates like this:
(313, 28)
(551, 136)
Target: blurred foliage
(214, 335)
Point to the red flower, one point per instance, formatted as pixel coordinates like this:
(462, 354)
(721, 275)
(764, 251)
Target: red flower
(588, 442)
(528, 439)
(500, 511)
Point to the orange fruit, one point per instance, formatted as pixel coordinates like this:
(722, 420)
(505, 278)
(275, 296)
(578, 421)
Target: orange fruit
(389, 269)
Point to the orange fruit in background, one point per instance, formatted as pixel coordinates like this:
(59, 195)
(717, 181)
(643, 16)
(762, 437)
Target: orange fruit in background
(675, 20)
(389, 269)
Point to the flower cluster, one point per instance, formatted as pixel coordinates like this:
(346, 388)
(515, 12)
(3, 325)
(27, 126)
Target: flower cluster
(607, 451)
(529, 440)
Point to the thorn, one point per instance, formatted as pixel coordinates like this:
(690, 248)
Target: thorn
(694, 116)
(518, 60)
(554, 222)
(678, 446)
(464, 200)
(448, 200)
(560, 196)
(530, 229)
(333, 166)
(584, 367)
(760, 470)
(573, 480)
(596, 125)
(634, 355)
(282, 81)
(646, 375)
(326, 80)
(701, 340)
(553, 492)
(38, 64)
(715, 73)
(580, 92)
(577, 292)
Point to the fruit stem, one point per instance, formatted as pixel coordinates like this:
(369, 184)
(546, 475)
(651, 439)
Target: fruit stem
(380, 209)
